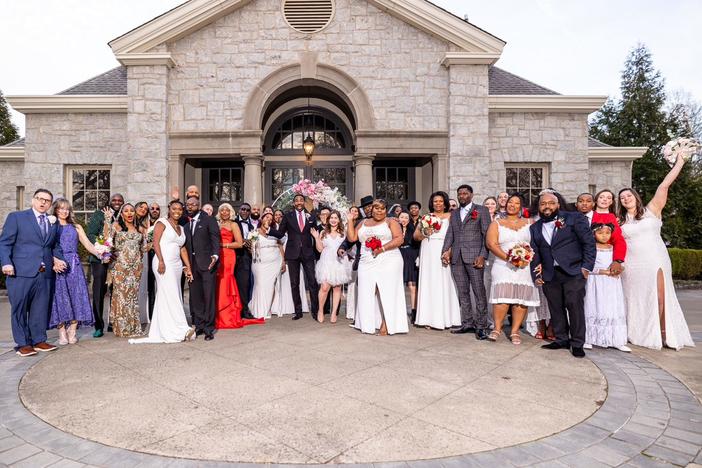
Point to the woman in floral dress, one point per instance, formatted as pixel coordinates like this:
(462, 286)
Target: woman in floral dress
(125, 273)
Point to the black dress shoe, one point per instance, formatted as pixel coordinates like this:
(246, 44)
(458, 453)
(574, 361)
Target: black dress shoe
(480, 334)
(247, 315)
(556, 345)
(209, 337)
(577, 352)
(462, 330)
(199, 333)
(297, 316)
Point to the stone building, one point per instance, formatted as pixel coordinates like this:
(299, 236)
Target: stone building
(400, 97)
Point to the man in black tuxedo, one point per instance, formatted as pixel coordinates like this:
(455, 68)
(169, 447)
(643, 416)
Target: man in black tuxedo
(154, 215)
(242, 270)
(202, 240)
(299, 250)
(564, 254)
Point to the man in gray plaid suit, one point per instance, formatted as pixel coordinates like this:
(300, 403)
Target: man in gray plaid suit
(464, 248)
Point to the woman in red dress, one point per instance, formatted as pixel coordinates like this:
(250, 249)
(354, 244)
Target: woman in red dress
(604, 213)
(228, 300)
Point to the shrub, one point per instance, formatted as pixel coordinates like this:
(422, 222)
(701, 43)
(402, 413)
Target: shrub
(687, 263)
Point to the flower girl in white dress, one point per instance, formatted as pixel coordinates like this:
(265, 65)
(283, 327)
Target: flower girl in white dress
(605, 312)
(331, 270)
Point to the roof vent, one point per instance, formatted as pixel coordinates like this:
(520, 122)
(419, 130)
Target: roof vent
(308, 16)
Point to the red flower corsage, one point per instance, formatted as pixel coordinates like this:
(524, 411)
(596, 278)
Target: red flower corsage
(560, 222)
(373, 243)
(474, 214)
(525, 213)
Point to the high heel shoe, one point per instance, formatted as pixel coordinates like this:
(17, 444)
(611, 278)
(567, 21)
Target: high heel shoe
(63, 337)
(72, 338)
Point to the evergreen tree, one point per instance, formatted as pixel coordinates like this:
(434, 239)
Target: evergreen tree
(639, 118)
(8, 130)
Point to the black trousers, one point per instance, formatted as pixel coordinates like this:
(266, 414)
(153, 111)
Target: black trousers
(99, 272)
(310, 282)
(203, 300)
(151, 284)
(566, 302)
(242, 275)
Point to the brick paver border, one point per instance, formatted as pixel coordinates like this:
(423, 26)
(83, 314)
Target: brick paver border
(649, 419)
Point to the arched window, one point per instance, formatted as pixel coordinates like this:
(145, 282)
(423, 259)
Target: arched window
(287, 134)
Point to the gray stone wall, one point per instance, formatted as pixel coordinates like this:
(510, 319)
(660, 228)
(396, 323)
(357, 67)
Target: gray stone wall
(398, 66)
(559, 140)
(469, 137)
(612, 175)
(11, 175)
(54, 141)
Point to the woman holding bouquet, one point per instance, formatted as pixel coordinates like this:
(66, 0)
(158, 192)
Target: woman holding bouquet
(70, 307)
(508, 239)
(654, 316)
(437, 298)
(380, 285)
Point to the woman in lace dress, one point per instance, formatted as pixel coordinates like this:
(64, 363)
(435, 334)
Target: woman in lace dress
(654, 316)
(332, 271)
(380, 287)
(437, 298)
(266, 267)
(511, 286)
(125, 272)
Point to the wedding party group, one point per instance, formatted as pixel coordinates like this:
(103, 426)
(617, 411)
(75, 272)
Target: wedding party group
(593, 274)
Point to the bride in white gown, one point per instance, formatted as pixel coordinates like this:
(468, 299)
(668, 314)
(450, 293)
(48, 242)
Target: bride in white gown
(654, 316)
(168, 324)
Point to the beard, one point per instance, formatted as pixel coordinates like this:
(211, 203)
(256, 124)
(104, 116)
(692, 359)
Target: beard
(549, 218)
(255, 216)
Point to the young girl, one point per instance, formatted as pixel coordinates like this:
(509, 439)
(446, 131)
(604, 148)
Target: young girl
(605, 312)
(332, 271)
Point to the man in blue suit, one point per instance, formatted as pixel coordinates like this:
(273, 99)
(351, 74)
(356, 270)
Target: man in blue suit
(30, 253)
(564, 254)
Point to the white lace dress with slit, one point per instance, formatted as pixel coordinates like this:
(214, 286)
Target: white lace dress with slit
(512, 285)
(646, 255)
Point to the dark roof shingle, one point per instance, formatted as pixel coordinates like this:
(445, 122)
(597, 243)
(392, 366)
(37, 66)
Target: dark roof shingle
(504, 82)
(110, 82)
(594, 143)
(18, 143)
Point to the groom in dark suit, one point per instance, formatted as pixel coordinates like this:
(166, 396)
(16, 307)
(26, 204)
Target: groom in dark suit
(299, 250)
(564, 254)
(30, 253)
(202, 239)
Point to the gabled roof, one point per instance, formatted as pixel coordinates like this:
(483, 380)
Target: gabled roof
(595, 143)
(111, 82)
(195, 14)
(114, 82)
(18, 143)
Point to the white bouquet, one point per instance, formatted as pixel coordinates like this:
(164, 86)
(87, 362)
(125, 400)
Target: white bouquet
(685, 147)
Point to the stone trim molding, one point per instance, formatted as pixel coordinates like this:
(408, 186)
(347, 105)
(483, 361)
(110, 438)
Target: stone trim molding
(616, 153)
(146, 59)
(69, 104)
(573, 104)
(14, 153)
(467, 58)
(196, 14)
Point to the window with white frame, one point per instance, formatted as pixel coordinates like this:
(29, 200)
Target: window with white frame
(526, 179)
(87, 188)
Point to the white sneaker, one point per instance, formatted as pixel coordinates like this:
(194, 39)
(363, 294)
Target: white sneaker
(587, 346)
(623, 349)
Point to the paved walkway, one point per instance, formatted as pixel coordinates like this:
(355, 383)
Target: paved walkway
(649, 418)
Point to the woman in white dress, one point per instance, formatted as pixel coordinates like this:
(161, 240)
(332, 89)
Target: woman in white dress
(437, 298)
(380, 286)
(331, 271)
(168, 324)
(512, 285)
(266, 267)
(654, 316)
(282, 301)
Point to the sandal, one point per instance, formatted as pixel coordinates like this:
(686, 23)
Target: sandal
(515, 338)
(539, 335)
(494, 335)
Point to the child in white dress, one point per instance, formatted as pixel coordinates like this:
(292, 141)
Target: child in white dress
(605, 311)
(332, 271)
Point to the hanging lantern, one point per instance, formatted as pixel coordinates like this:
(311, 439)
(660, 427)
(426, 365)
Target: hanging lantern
(308, 147)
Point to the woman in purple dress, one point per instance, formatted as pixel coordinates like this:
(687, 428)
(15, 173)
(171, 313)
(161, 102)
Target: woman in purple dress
(71, 305)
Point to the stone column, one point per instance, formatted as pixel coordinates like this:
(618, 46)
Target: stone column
(468, 158)
(147, 124)
(441, 178)
(363, 171)
(253, 182)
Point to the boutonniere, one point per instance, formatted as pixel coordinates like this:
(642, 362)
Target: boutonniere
(560, 222)
(474, 214)
(52, 219)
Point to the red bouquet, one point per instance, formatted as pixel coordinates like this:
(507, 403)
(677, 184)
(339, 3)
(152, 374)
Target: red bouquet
(474, 214)
(373, 243)
(525, 213)
(520, 255)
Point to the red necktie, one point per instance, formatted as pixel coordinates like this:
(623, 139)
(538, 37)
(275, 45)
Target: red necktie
(300, 221)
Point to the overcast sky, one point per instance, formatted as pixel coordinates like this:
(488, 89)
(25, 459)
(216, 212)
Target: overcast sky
(573, 47)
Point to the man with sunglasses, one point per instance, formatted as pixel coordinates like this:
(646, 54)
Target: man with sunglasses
(242, 270)
(30, 254)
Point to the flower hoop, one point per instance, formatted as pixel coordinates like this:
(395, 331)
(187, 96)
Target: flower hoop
(319, 192)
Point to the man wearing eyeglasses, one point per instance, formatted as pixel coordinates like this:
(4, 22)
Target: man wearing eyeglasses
(242, 270)
(30, 254)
